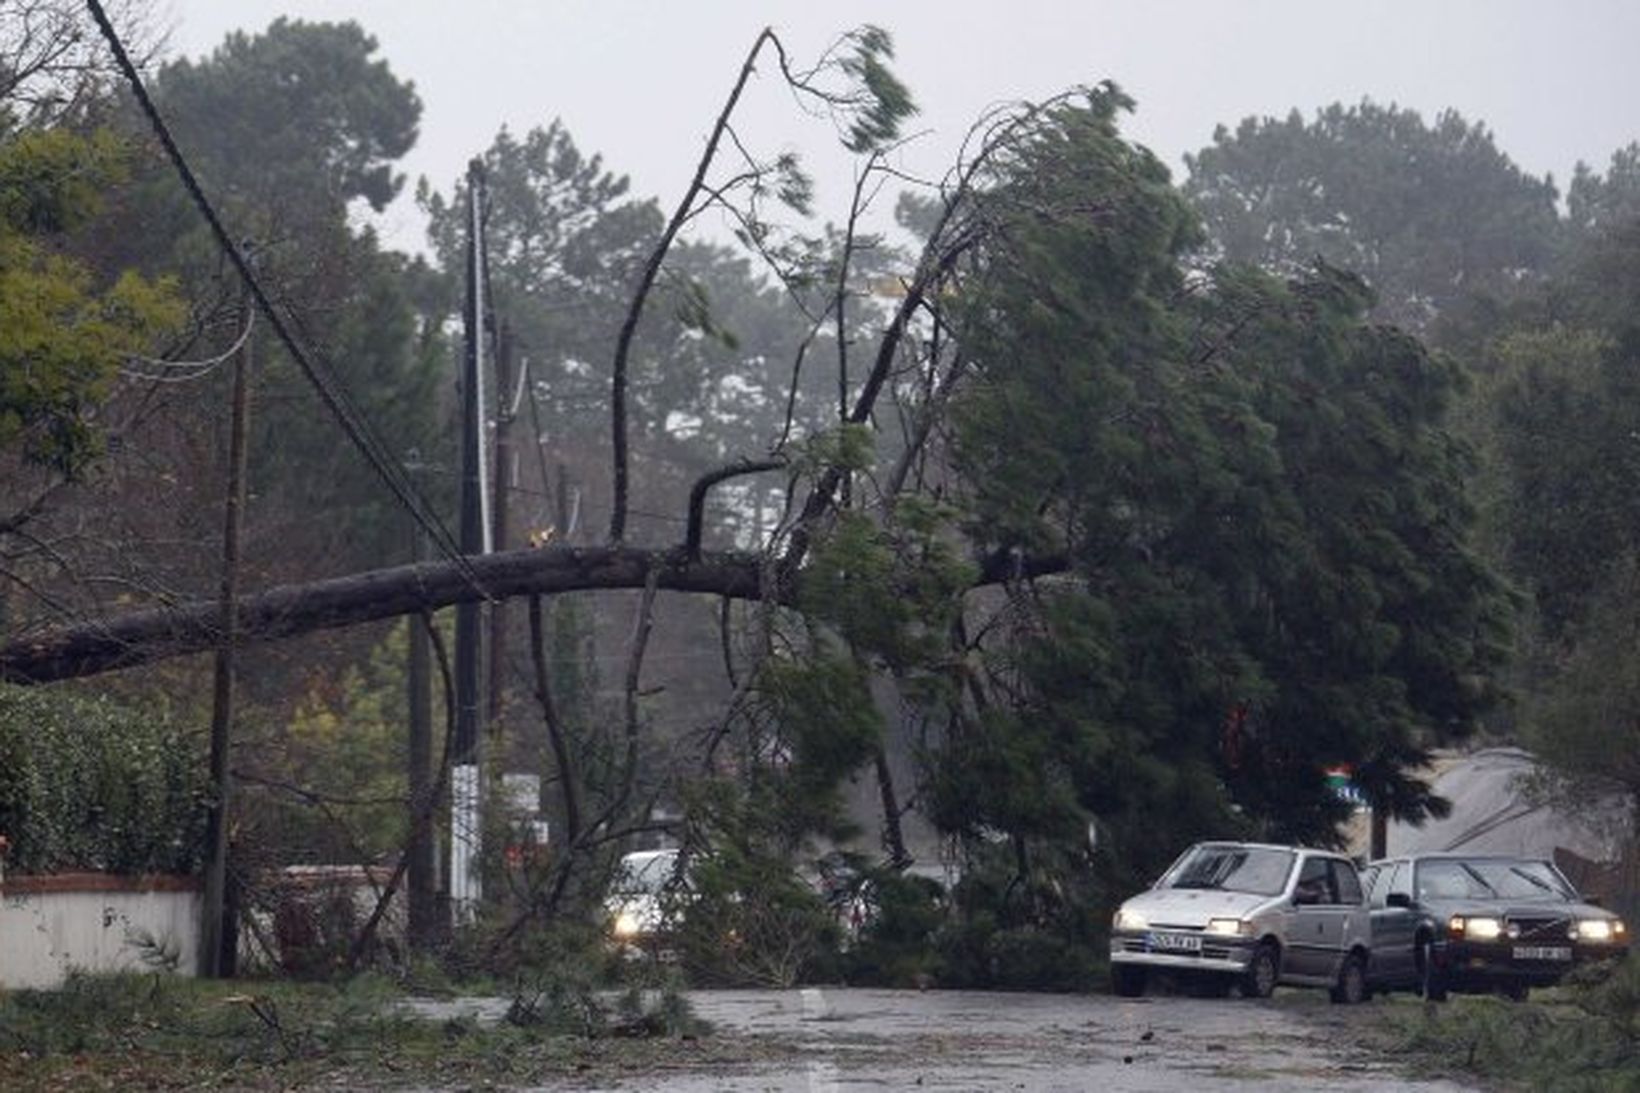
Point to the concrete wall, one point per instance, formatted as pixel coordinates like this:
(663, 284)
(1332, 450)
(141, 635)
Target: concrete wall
(51, 925)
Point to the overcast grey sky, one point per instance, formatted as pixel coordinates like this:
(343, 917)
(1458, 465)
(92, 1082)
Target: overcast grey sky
(640, 82)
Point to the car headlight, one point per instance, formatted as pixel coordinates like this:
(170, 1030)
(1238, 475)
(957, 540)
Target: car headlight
(626, 925)
(1475, 928)
(1129, 920)
(1598, 930)
(1229, 927)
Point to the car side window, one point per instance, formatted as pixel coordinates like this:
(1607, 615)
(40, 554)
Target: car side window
(1401, 879)
(1371, 877)
(1376, 880)
(1345, 882)
(1315, 884)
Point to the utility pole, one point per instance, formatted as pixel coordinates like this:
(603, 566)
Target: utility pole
(425, 928)
(1380, 830)
(465, 784)
(219, 936)
(506, 401)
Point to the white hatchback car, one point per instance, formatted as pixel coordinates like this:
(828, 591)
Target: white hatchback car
(637, 903)
(1248, 914)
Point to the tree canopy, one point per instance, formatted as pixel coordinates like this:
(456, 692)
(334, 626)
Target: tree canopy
(65, 326)
(1427, 213)
(1264, 515)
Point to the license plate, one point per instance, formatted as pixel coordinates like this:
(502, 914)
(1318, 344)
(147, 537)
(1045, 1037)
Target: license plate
(1176, 943)
(1543, 952)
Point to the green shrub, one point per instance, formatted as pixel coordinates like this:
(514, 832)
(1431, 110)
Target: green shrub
(1040, 931)
(896, 944)
(87, 784)
(749, 921)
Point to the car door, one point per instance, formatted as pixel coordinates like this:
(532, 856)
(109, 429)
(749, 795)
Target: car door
(1394, 926)
(1315, 941)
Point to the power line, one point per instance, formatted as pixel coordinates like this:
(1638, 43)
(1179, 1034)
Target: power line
(184, 371)
(330, 391)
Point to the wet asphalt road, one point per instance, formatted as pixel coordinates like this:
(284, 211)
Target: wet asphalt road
(852, 1040)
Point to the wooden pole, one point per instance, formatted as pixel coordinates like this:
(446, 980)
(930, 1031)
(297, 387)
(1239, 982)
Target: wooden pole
(218, 936)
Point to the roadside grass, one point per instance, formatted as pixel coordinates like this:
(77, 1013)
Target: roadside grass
(163, 1032)
(1562, 1040)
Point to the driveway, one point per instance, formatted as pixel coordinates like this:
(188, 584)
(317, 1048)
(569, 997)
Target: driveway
(833, 1040)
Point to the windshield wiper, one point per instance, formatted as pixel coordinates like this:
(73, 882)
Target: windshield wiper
(1519, 872)
(1479, 879)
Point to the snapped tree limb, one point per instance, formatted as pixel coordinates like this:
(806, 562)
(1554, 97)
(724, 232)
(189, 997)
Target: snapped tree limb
(142, 637)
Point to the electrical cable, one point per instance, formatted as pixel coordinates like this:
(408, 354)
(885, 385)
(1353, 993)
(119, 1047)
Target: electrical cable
(196, 369)
(330, 392)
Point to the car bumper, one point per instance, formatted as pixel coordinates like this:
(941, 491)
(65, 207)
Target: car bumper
(1485, 963)
(1230, 955)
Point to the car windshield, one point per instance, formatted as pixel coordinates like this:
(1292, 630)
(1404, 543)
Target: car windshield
(1491, 878)
(1256, 869)
(644, 873)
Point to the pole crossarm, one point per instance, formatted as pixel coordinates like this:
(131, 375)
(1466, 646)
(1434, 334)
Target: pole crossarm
(142, 637)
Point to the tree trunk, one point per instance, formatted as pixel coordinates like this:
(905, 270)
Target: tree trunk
(142, 637)
(156, 634)
(893, 832)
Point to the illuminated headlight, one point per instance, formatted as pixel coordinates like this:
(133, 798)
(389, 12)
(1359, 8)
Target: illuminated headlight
(626, 925)
(1229, 927)
(1599, 930)
(1475, 929)
(1129, 920)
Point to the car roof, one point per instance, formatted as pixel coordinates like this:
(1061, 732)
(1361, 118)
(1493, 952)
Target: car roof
(1272, 846)
(1458, 855)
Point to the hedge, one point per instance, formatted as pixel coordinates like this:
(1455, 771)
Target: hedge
(88, 784)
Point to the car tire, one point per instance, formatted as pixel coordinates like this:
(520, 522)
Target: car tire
(1431, 976)
(1351, 988)
(1127, 981)
(1259, 980)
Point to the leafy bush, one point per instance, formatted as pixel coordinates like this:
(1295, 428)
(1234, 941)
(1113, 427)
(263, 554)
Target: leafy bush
(1039, 931)
(87, 784)
(751, 922)
(896, 945)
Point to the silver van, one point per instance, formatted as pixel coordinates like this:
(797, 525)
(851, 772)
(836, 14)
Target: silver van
(1248, 915)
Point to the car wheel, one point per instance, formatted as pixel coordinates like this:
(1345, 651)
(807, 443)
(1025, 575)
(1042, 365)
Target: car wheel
(1351, 987)
(1127, 981)
(1259, 980)
(1431, 977)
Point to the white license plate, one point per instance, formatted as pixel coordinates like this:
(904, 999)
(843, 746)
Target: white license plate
(1543, 952)
(1176, 943)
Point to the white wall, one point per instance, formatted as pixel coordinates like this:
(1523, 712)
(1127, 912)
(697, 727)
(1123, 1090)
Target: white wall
(51, 925)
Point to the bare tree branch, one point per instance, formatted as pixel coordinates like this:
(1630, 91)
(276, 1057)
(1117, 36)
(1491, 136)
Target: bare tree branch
(697, 496)
(629, 326)
(557, 733)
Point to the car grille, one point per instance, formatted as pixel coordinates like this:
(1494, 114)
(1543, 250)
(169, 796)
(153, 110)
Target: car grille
(1541, 929)
(1209, 950)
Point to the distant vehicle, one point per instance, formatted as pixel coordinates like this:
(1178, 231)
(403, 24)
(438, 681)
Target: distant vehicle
(1481, 923)
(1247, 915)
(637, 905)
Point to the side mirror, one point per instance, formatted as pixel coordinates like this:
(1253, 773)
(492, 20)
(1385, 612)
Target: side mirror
(1398, 899)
